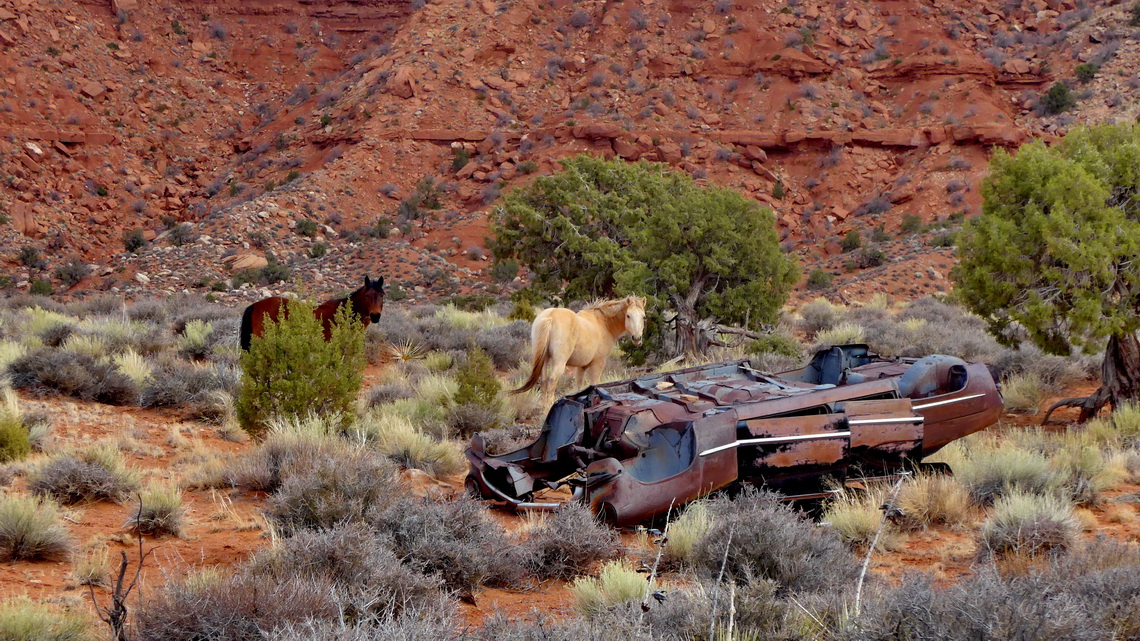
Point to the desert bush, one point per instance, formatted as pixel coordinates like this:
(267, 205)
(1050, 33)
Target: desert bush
(329, 488)
(30, 530)
(365, 573)
(177, 383)
(615, 584)
(378, 395)
(456, 540)
(48, 370)
(409, 626)
(771, 541)
(507, 345)
(1049, 605)
(135, 367)
(508, 439)
(241, 607)
(264, 468)
(819, 315)
(1030, 524)
(568, 542)
(95, 473)
(290, 369)
(24, 620)
(160, 511)
(467, 419)
(933, 499)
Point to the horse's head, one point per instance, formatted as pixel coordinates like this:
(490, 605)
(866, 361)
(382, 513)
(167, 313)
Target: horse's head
(635, 317)
(369, 299)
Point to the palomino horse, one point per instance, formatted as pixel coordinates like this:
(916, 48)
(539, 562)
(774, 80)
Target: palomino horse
(562, 339)
(367, 303)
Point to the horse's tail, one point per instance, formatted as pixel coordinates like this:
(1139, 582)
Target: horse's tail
(540, 336)
(247, 327)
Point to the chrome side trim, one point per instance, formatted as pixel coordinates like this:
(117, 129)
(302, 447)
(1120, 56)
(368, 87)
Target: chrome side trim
(946, 402)
(774, 439)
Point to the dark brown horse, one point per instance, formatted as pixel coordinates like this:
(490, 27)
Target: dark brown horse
(367, 303)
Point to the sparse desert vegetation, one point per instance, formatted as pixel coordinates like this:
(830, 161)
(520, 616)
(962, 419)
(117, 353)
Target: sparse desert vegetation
(367, 511)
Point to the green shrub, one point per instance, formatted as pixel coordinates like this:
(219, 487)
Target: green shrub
(776, 344)
(459, 159)
(306, 227)
(852, 241)
(30, 529)
(522, 311)
(477, 381)
(290, 370)
(318, 250)
(134, 240)
(24, 620)
(1135, 19)
(1058, 99)
(819, 279)
(1085, 72)
(40, 287)
(911, 224)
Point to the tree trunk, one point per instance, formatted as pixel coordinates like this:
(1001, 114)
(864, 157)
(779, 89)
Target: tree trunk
(1119, 379)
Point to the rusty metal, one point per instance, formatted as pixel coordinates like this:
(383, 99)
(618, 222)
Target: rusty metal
(631, 448)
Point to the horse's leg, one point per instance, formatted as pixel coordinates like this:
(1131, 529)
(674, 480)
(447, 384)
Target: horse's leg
(594, 370)
(555, 368)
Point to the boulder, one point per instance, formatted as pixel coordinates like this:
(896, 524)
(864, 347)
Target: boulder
(402, 83)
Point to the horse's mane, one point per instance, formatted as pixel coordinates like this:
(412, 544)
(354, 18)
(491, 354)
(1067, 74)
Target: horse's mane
(611, 307)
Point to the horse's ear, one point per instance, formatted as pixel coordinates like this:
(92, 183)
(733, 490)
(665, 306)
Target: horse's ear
(378, 284)
(367, 282)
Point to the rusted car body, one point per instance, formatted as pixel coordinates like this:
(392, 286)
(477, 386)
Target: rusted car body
(633, 448)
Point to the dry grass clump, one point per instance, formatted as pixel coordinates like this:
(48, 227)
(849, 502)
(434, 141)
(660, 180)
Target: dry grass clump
(1119, 429)
(30, 529)
(933, 499)
(160, 511)
(856, 516)
(1024, 393)
(819, 315)
(686, 531)
(568, 542)
(24, 620)
(616, 584)
(15, 437)
(396, 438)
(93, 568)
(841, 334)
(1029, 524)
(989, 469)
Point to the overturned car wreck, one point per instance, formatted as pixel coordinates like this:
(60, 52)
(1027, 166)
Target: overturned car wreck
(633, 448)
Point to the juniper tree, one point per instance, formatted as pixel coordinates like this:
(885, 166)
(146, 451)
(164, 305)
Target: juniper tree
(612, 228)
(1055, 252)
